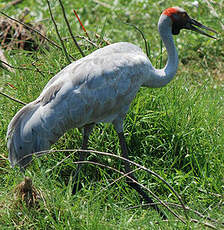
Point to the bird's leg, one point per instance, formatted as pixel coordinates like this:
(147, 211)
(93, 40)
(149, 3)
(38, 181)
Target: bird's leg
(87, 130)
(130, 182)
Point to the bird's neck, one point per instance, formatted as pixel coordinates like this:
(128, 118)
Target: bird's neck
(161, 77)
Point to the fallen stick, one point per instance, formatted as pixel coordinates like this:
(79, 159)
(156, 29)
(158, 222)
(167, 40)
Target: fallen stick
(56, 29)
(98, 36)
(12, 98)
(4, 61)
(70, 30)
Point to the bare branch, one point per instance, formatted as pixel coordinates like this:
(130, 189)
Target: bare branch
(211, 193)
(136, 182)
(4, 62)
(77, 16)
(145, 169)
(126, 175)
(15, 67)
(84, 38)
(115, 181)
(92, 43)
(115, 156)
(25, 68)
(179, 206)
(69, 29)
(37, 69)
(103, 4)
(98, 36)
(56, 28)
(204, 223)
(143, 36)
(123, 175)
(11, 98)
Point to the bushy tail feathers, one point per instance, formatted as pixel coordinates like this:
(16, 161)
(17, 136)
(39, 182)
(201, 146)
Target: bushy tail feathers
(21, 144)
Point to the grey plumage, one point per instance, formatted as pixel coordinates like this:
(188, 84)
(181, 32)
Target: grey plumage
(96, 88)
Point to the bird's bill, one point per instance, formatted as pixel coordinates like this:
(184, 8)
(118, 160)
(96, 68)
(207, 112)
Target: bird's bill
(198, 24)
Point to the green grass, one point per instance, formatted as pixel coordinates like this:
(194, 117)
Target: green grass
(176, 131)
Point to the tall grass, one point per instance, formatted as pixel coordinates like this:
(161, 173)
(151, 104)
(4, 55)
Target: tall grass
(177, 131)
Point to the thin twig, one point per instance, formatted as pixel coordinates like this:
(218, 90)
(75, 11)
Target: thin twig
(15, 67)
(37, 69)
(179, 206)
(77, 16)
(209, 225)
(86, 39)
(211, 193)
(69, 29)
(13, 99)
(98, 36)
(58, 163)
(115, 156)
(3, 60)
(143, 36)
(145, 169)
(56, 28)
(205, 224)
(119, 178)
(133, 180)
(103, 4)
(25, 68)
(141, 185)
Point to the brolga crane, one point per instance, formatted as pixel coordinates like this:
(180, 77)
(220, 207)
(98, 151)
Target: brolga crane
(96, 88)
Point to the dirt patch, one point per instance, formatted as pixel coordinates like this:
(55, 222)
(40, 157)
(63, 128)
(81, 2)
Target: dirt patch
(15, 36)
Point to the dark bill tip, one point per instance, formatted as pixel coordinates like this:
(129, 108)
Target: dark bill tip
(198, 24)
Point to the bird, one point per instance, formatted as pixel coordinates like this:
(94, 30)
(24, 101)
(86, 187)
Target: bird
(97, 88)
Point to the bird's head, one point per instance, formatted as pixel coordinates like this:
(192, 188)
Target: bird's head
(181, 20)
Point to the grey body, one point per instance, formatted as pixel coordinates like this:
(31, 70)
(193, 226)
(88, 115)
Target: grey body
(96, 88)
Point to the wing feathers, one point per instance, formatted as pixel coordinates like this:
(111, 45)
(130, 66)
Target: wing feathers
(51, 92)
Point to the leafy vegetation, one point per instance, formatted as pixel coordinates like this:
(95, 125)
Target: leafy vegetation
(176, 131)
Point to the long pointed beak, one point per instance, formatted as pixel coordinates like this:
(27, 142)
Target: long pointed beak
(198, 24)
